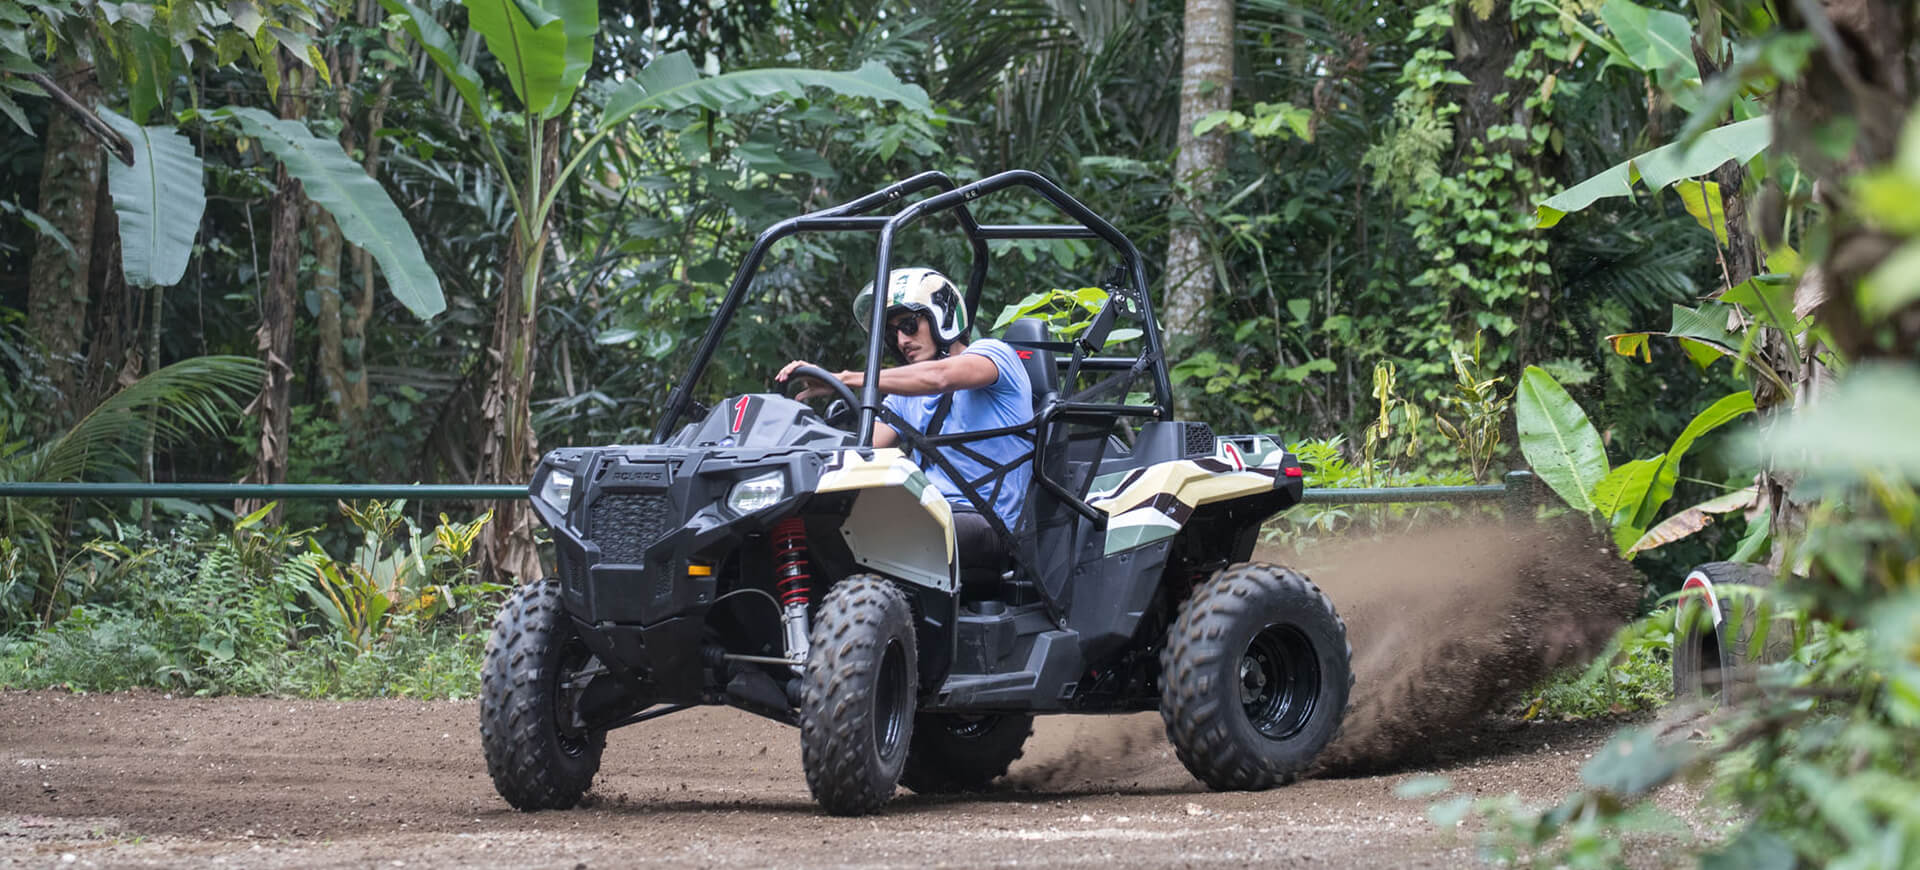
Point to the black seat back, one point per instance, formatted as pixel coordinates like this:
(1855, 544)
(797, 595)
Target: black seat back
(1023, 334)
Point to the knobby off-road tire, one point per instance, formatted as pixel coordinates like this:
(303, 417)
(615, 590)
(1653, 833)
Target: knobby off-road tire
(1717, 663)
(1254, 677)
(537, 759)
(858, 695)
(953, 753)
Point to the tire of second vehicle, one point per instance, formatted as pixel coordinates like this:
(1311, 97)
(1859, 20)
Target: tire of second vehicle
(1714, 659)
(1254, 677)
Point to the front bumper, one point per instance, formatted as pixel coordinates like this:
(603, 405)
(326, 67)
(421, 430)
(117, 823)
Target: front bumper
(640, 517)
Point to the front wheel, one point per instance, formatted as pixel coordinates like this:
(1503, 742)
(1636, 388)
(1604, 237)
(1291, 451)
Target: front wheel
(538, 756)
(1254, 677)
(858, 695)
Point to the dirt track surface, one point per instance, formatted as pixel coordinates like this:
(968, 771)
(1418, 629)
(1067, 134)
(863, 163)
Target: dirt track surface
(1445, 625)
(147, 780)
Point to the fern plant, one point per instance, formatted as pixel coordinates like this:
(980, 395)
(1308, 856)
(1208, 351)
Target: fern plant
(194, 397)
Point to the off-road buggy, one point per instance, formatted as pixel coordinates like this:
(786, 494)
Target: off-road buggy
(762, 555)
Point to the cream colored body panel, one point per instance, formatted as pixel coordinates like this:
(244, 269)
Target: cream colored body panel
(900, 524)
(1153, 504)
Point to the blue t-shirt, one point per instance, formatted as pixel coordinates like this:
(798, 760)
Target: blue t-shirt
(1008, 401)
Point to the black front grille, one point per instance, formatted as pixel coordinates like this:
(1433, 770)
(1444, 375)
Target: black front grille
(1199, 439)
(624, 525)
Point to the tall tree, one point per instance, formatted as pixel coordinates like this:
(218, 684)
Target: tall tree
(1206, 86)
(508, 447)
(72, 177)
(341, 268)
(274, 337)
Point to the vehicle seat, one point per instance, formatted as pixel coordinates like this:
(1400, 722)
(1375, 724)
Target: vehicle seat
(1028, 335)
(981, 565)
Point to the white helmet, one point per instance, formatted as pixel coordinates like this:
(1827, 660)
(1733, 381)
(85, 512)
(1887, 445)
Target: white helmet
(924, 291)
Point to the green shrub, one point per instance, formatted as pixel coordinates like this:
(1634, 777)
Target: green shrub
(247, 611)
(1635, 675)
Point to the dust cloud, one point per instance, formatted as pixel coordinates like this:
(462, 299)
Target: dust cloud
(1446, 623)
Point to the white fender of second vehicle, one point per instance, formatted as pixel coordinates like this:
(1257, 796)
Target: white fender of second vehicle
(1700, 581)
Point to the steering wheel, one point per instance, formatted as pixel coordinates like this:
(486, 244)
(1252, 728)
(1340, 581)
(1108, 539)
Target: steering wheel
(843, 393)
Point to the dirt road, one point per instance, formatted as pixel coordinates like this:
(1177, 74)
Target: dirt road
(147, 780)
(1444, 625)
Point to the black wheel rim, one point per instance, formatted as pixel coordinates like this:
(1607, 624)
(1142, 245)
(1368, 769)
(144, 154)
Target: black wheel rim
(971, 727)
(574, 657)
(1279, 680)
(891, 706)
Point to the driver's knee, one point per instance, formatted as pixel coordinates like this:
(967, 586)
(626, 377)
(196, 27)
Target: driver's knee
(982, 554)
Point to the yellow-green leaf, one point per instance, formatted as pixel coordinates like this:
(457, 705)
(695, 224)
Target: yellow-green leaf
(1632, 344)
(1702, 199)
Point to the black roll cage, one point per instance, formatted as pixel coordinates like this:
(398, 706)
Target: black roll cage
(852, 216)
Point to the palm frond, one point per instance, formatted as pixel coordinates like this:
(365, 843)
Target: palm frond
(191, 397)
(1645, 259)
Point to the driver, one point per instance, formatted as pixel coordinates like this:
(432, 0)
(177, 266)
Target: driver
(983, 383)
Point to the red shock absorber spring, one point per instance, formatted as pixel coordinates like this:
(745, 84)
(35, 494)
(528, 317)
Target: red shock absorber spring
(790, 561)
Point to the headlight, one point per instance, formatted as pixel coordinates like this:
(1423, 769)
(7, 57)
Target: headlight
(558, 490)
(757, 493)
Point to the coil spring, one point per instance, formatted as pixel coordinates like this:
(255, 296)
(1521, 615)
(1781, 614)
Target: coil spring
(790, 561)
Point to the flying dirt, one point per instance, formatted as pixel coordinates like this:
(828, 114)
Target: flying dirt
(1448, 622)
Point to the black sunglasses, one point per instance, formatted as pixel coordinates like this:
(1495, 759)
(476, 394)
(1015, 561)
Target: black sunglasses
(906, 325)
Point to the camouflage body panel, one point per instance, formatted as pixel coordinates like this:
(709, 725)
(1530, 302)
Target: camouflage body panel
(1151, 504)
(900, 524)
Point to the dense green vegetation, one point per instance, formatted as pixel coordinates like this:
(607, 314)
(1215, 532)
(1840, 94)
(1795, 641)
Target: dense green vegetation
(1426, 242)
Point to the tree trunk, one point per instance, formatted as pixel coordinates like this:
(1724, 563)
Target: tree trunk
(72, 175)
(1206, 86)
(115, 317)
(1483, 48)
(328, 258)
(356, 398)
(508, 451)
(274, 337)
(341, 267)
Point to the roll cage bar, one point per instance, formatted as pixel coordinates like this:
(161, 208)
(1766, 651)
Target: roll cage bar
(852, 216)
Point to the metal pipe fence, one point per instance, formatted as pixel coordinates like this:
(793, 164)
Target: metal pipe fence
(1517, 491)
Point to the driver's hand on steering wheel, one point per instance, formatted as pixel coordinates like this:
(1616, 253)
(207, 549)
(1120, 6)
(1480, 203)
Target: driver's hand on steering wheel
(814, 389)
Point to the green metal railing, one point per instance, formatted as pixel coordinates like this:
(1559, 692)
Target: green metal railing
(225, 491)
(1517, 490)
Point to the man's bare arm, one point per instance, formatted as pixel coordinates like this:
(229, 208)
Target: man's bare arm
(963, 371)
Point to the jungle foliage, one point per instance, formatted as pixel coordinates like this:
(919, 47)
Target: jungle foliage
(388, 240)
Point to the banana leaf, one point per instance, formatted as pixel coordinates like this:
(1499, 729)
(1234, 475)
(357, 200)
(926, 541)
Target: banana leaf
(159, 200)
(1558, 439)
(671, 82)
(367, 216)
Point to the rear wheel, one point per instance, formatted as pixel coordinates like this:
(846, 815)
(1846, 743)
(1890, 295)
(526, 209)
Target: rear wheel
(538, 756)
(956, 753)
(1254, 677)
(858, 695)
(1713, 651)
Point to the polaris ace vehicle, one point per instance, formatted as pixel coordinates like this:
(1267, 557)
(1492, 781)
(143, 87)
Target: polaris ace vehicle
(764, 555)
